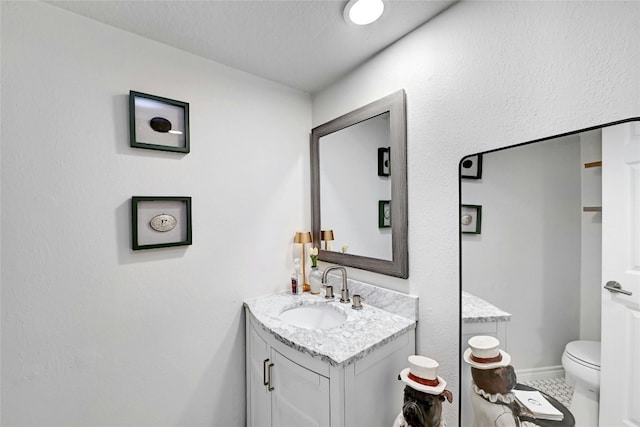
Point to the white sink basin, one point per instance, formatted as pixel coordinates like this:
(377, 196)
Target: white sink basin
(313, 316)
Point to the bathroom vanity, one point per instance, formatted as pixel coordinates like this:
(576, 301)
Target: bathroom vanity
(345, 375)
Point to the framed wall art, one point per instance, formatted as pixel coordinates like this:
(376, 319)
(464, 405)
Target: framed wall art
(384, 213)
(159, 222)
(384, 162)
(470, 219)
(157, 123)
(471, 167)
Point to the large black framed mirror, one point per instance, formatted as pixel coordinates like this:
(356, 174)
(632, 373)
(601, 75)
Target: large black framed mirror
(545, 227)
(359, 187)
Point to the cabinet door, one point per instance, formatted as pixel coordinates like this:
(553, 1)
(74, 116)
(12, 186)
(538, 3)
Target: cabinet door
(258, 396)
(300, 396)
(373, 394)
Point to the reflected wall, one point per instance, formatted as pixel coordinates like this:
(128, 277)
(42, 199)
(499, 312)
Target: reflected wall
(351, 187)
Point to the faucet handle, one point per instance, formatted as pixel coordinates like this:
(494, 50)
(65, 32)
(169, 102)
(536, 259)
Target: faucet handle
(357, 302)
(344, 295)
(329, 292)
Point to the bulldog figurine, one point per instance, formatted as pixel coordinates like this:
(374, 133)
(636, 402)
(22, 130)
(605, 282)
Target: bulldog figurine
(493, 379)
(423, 394)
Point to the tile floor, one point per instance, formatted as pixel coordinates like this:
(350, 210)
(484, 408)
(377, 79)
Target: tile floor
(555, 387)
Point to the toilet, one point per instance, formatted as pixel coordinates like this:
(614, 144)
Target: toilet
(581, 362)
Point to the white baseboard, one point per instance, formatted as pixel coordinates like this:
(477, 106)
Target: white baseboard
(544, 373)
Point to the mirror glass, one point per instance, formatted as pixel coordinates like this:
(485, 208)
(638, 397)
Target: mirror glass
(349, 161)
(358, 187)
(531, 254)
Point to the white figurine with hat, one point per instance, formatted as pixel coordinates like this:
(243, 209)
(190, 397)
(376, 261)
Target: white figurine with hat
(484, 353)
(423, 394)
(493, 379)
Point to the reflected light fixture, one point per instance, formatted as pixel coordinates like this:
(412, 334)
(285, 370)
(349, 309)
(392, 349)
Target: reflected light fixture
(363, 12)
(327, 236)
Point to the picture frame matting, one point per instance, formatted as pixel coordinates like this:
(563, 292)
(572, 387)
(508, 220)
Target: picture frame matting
(160, 221)
(158, 123)
(470, 219)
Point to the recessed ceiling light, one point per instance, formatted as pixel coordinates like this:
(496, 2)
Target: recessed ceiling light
(363, 12)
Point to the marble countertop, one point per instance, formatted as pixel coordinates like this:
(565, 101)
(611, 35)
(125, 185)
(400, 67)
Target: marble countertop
(477, 310)
(364, 330)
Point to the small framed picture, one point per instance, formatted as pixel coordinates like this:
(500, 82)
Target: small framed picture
(384, 161)
(159, 222)
(470, 218)
(157, 123)
(384, 213)
(471, 167)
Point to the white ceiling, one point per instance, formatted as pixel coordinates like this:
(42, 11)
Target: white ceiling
(304, 44)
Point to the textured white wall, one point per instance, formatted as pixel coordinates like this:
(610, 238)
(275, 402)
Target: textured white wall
(479, 76)
(93, 333)
(526, 261)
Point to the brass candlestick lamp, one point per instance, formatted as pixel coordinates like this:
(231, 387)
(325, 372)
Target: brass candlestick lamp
(303, 237)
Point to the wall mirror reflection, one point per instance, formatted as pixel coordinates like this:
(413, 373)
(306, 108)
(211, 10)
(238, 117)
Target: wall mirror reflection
(554, 273)
(349, 157)
(359, 188)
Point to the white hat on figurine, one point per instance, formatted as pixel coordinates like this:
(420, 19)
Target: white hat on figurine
(422, 375)
(484, 353)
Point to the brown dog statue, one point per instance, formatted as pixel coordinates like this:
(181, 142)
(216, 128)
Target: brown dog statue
(493, 379)
(423, 394)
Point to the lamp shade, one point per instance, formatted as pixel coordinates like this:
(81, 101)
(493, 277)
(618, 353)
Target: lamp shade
(302, 237)
(326, 235)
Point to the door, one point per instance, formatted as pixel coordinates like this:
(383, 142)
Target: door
(300, 396)
(258, 369)
(620, 358)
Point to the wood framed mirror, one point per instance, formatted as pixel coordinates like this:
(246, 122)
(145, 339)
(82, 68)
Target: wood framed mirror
(359, 187)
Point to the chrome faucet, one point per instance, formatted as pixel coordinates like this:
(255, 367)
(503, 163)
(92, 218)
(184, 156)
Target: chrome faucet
(344, 294)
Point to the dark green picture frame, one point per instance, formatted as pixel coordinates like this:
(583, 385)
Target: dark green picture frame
(471, 167)
(384, 161)
(384, 221)
(475, 227)
(141, 229)
(158, 137)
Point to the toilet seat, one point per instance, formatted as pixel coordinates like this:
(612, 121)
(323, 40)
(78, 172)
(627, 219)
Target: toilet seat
(586, 353)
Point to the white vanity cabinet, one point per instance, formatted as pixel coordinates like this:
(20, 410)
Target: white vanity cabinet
(287, 387)
(301, 397)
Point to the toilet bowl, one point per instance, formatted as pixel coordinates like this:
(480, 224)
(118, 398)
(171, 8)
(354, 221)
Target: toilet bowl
(581, 362)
